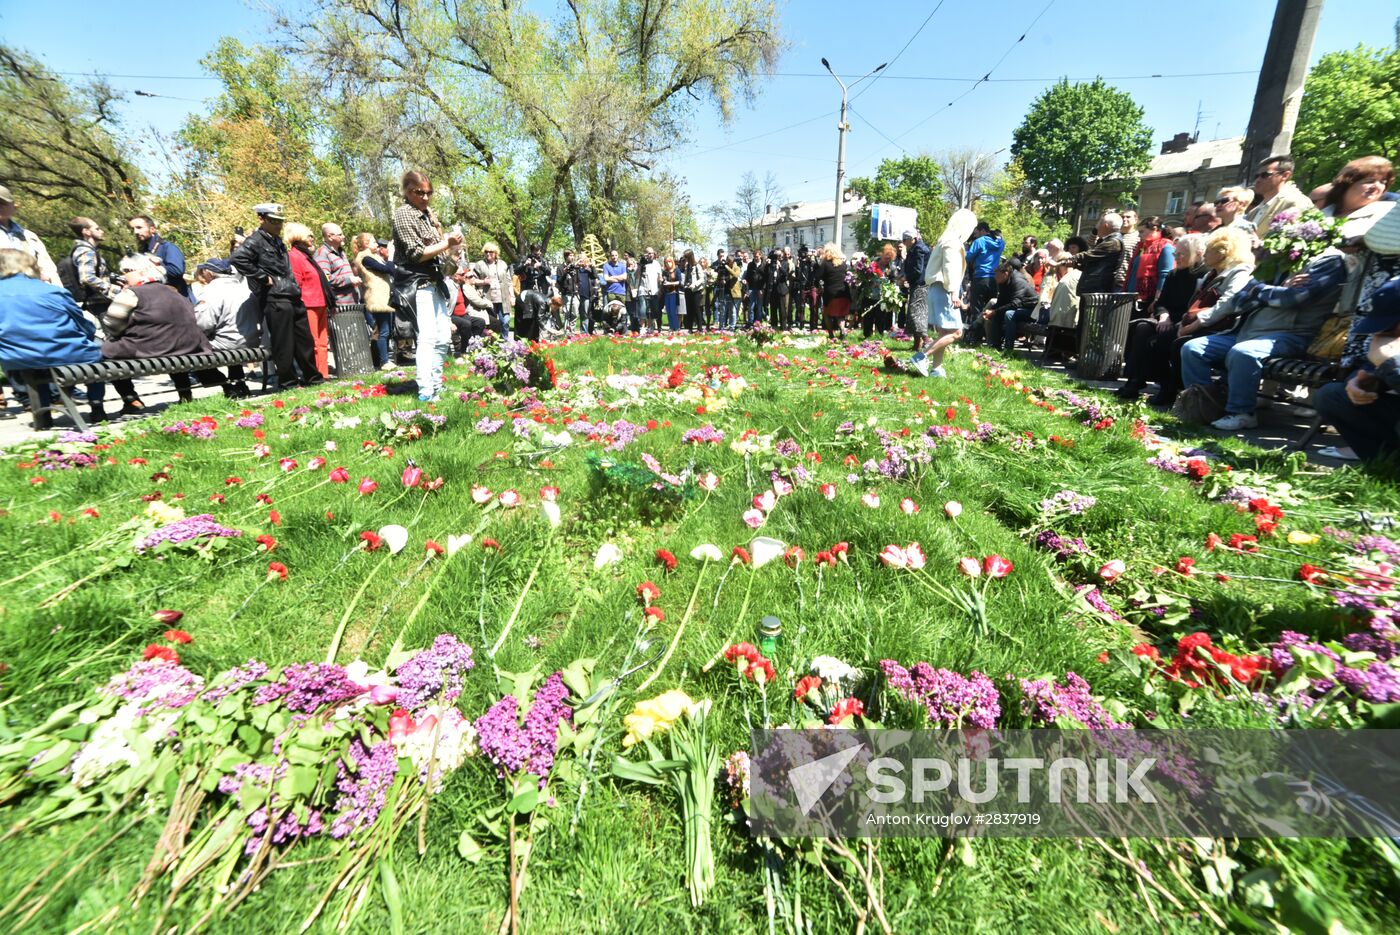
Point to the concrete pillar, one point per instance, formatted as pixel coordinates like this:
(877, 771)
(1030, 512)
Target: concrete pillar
(1280, 88)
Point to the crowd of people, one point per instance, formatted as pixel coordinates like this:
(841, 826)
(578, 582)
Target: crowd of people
(1204, 296)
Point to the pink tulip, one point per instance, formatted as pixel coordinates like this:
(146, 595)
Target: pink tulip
(755, 518)
(871, 499)
(1111, 571)
(996, 567)
(908, 506)
(766, 501)
(287, 464)
(708, 481)
(969, 566)
(781, 487)
(316, 463)
(549, 494)
(915, 552)
(412, 475)
(383, 694)
(828, 491)
(339, 476)
(509, 498)
(368, 486)
(894, 557)
(167, 617)
(400, 724)
(481, 494)
(953, 509)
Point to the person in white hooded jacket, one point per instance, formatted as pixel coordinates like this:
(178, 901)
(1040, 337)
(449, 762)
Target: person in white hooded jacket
(947, 262)
(228, 315)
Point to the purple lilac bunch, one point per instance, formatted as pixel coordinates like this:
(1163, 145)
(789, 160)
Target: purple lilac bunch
(63, 460)
(1095, 599)
(284, 831)
(434, 673)
(489, 426)
(236, 679)
(188, 531)
(194, 429)
(306, 687)
(155, 683)
(259, 774)
(529, 747)
(77, 438)
(1064, 548)
(1067, 501)
(788, 448)
(254, 420)
(950, 698)
(364, 786)
(1048, 701)
(705, 434)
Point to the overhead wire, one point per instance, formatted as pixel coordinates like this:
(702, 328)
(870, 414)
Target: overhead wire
(901, 51)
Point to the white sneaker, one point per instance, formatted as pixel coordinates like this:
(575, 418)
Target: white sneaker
(1236, 422)
(1341, 454)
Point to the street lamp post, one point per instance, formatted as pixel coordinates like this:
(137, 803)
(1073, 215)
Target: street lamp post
(842, 127)
(972, 176)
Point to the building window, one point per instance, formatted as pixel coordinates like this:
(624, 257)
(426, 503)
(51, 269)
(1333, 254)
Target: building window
(787, 237)
(1176, 202)
(1092, 210)
(821, 235)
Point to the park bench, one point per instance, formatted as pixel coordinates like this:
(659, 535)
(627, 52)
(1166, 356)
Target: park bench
(105, 371)
(1306, 372)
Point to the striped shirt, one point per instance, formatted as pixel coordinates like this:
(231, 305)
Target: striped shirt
(415, 230)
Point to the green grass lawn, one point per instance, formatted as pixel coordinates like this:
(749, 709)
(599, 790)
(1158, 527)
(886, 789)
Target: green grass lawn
(78, 605)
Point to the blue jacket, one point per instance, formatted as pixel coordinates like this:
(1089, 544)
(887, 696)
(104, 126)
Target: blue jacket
(914, 262)
(173, 259)
(41, 326)
(984, 256)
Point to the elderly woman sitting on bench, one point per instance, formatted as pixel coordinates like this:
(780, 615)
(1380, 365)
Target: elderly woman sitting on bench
(150, 319)
(41, 327)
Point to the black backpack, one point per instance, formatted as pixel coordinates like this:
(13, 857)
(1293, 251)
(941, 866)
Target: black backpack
(68, 275)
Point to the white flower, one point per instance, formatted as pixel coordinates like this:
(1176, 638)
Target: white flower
(831, 669)
(607, 554)
(455, 544)
(346, 422)
(556, 440)
(707, 552)
(764, 549)
(395, 537)
(550, 509)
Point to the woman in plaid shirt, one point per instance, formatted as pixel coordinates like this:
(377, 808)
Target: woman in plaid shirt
(420, 250)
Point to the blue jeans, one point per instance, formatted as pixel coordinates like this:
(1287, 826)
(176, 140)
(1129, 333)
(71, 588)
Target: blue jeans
(380, 323)
(724, 312)
(755, 305)
(1243, 362)
(503, 316)
(672, 301)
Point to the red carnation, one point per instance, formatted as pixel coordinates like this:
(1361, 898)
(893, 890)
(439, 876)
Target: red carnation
(846, 707)
(276, 570)
(808, 683)
(178, 636)
(372, 540)
(1311, 574)
(266, 542)
(649, 593)
(667, 559)
(165, 653)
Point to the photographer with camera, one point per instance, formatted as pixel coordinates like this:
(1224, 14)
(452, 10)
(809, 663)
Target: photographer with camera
(535, 288)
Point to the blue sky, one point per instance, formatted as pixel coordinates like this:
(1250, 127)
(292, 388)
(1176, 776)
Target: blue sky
(1213, 41)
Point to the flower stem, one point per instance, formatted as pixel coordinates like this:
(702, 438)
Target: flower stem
(350, 609)
(743, 609)
(519, 602)
(675, 640)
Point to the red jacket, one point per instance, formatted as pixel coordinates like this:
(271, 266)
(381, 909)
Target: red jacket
(1149, 252)
(308, 277)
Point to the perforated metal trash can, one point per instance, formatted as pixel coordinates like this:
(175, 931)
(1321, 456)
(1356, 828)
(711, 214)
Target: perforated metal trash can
(1103, 333)
(350, 341)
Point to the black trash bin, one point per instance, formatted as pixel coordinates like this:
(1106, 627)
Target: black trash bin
(1103, 333)
(350, 341)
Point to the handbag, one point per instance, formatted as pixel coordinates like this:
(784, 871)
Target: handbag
(1331, 340)
(1199, 405)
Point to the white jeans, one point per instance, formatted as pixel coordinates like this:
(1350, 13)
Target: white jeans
(434, 339)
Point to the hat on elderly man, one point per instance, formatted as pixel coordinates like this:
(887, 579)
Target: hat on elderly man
(269, 209)
(909, 234)
(1385, 310)
(5, 197)
(216, 265)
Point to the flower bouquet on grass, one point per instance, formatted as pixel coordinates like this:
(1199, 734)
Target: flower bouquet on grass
(690, 768)
(761, 333)
(508, 364)
(245, 768)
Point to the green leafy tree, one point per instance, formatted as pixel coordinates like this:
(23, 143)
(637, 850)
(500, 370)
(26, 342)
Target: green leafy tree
(1080, 133)
(1350, 108)
(740, 217)
(1008, 205)
(540, 120)
(911, 182)
(63, 151)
